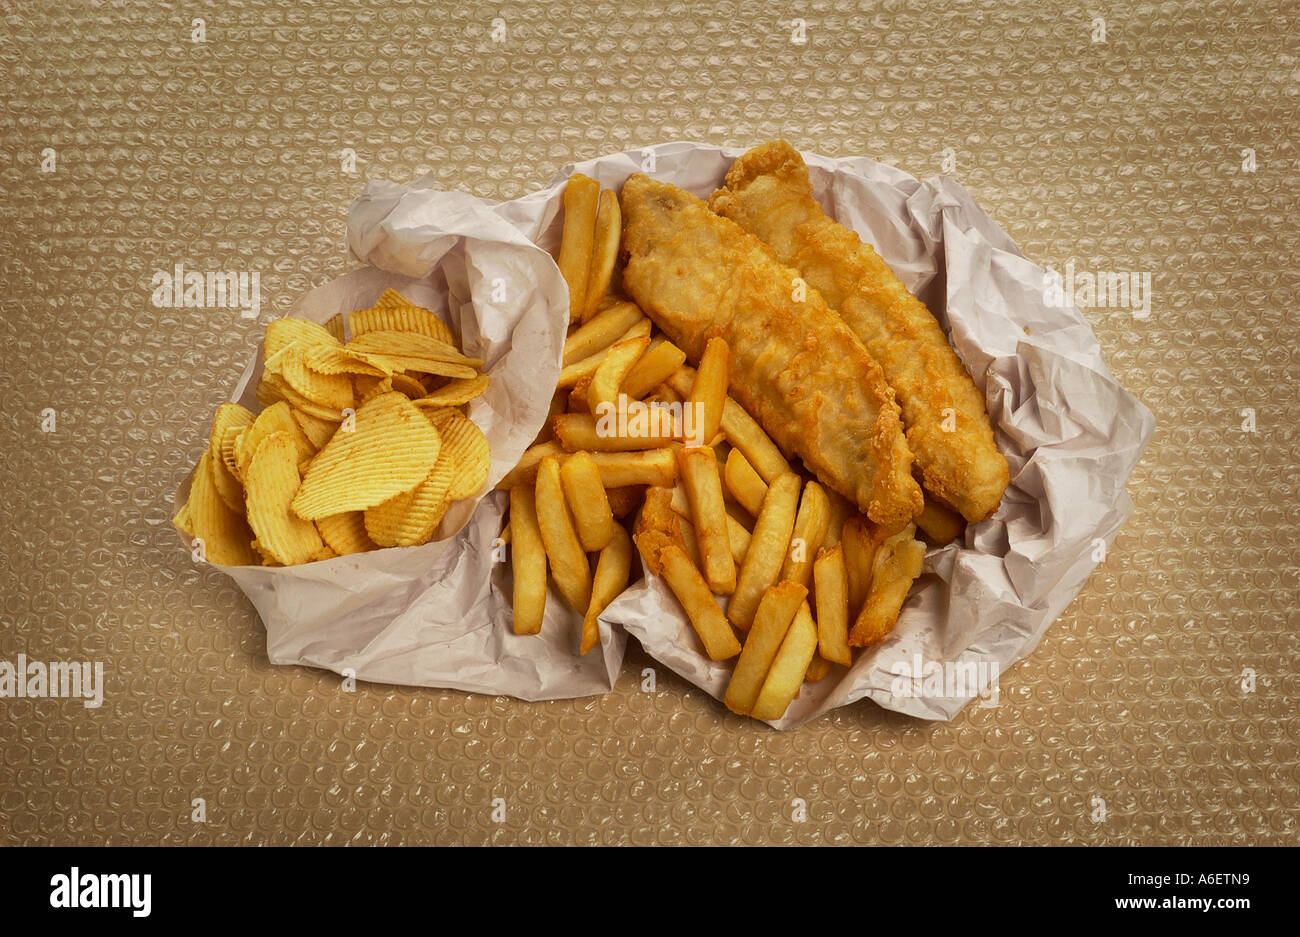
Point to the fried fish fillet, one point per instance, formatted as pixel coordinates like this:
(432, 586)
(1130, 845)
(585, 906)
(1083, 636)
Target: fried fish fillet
(768, 193)
(795, 366)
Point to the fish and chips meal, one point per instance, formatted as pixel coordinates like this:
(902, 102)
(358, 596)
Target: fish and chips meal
(770, 409)
(749, 399)
(361, 442)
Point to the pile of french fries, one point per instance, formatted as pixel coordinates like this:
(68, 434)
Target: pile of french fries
(773, 569)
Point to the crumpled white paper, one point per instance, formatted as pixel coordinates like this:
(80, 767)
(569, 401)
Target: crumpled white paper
(1071, 434)
(439, 615)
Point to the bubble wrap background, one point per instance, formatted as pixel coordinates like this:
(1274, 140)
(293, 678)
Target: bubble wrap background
(1124, 155)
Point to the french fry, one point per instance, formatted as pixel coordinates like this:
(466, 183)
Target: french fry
(525, 472)
(738, 535)
(841, 510)
(690, 542)
(738, 539)
(583, 431)
(744, 433)
(581, 195)
(646, 467)
(609, 229)
(789, 668)
(809, 532)
(860, 545)
(741, 430)
(528, 560)
(699, 470)
(586, 498)
(601, 331)
(577, 402)
(693, 593)
(570, 374)
(558, 401)
(767, 548)
(709, 389)
(611, 371)
(624, 500)
(831, 586)
(654, 367)
(612, 569)
(569, 566)
(940, 524)
(897, 564)
(772, 621)
(744, 483)
(818, 668)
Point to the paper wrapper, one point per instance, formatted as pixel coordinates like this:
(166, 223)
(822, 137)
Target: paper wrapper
(439, 615)
(1071, 435)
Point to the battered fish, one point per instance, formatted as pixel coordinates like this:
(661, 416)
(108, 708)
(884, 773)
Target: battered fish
(795, 366)
(768, 193)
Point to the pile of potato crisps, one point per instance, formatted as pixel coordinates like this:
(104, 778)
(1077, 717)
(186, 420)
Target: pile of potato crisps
(362, 442)
(720, 511)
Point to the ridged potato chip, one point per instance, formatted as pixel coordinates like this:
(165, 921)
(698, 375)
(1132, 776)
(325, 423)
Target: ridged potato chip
(277, 389)
(391, 299)
(229, 416)
(270, 483)
(346, 533)
(333, 391)
(332, 359)
(227, 539)
(291, 330)
(277, 418)
(467, 448)
(407, 385)
(382, 387)
(335, 326)
(318, 431)
(397, 317)
(425, 366)
(455, 393)
(391, 450)
(410, 345)
(410, 518)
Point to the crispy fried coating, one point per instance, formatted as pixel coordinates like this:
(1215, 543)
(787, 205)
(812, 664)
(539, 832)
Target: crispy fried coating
(795, 366)
(769, 194)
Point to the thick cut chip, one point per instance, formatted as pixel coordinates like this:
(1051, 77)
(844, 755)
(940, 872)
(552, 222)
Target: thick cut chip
(346, 533)
(455, 393)
(272, 481)
(466, 447)
(392, 448)
(332, 391)
(399, 318)
(409, 519)
(280, 333)
(277, 418)
(225, 534)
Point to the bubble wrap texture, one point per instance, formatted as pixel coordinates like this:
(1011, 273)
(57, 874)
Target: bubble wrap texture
(1125, 155)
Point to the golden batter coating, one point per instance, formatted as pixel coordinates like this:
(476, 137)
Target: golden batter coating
(769, 194)
(795, 366)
